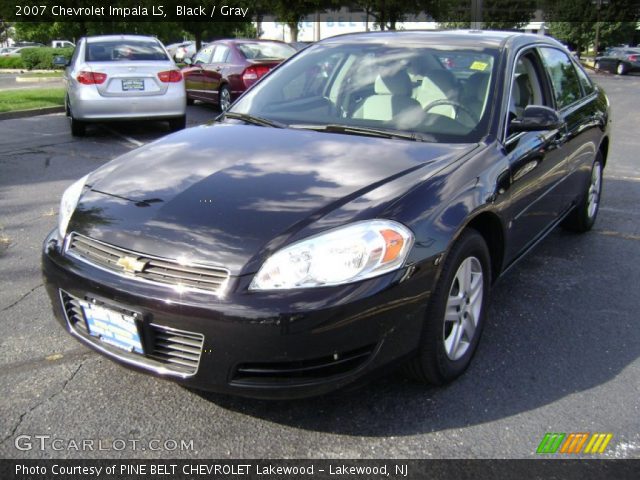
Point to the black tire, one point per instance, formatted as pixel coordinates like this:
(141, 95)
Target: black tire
(223, 95)
(597, 67)
(621, 68)
(78, 127)
(190, 101)
(179, 123)
(433, 364)
(584, 215)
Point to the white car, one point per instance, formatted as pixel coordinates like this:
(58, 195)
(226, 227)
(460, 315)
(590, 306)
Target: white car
(123, 77)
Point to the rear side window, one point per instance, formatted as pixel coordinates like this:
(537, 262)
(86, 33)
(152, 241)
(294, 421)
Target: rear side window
(204, 55)
(124, 50)
(221, 54)
(587, 86)
(566, 85)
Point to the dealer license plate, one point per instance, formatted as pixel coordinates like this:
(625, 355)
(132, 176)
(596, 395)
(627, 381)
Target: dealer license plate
(128, 85)
(112, 327)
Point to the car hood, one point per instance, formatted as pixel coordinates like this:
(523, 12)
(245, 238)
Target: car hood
(224, 194)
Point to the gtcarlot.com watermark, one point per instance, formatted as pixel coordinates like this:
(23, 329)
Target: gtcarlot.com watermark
(47, 442)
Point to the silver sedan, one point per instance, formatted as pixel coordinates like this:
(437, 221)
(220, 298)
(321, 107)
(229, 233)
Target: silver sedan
(123, 77)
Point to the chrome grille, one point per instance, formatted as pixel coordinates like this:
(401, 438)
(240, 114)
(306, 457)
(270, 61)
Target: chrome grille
(161, 271)
(166, 349)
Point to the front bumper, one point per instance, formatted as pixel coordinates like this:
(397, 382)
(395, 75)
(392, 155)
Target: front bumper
(257, 344)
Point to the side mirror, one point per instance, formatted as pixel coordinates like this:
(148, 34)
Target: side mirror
(60, 61)
(187, 60)
(535, 118)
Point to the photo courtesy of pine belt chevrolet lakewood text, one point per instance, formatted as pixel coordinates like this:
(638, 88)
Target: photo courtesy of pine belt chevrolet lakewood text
(351, 210)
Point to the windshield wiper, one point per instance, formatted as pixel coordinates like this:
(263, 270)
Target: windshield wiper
(356, 130)
(245, 117)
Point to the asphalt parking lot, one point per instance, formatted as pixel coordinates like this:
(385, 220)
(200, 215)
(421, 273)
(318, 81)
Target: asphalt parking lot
(559, 354)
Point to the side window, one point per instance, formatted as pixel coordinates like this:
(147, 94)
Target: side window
(203, 56)
(566, 86)
(526, 86)
(221, 54)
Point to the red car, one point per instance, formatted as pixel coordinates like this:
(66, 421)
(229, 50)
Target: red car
(221, 71)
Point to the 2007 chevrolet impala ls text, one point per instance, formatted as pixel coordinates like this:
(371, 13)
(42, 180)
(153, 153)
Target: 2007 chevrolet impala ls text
(349, 211)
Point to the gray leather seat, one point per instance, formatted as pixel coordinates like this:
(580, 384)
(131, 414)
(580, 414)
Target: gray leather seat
(391, 98)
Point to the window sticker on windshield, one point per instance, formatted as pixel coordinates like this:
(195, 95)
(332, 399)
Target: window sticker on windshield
(479, 66)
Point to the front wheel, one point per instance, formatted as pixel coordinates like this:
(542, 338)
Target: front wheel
(621, 69)
(456, 312)
(582, 218)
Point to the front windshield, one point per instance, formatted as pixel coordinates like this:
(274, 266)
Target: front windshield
(441, 94)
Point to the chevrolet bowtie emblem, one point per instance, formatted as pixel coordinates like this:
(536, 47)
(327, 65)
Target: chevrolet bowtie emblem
(131, 264)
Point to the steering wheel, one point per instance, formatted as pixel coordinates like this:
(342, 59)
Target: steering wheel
(453, 103)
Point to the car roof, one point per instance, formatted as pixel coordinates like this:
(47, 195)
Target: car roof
(452, 38)
(115, 38)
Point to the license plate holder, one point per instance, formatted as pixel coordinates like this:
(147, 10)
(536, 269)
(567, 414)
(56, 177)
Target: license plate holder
(132, 85)
(112, 327)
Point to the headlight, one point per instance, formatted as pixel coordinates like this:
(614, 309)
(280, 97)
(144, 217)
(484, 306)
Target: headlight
(68, 204)
(343, 255)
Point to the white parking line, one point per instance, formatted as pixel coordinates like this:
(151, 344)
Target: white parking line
(133, 141)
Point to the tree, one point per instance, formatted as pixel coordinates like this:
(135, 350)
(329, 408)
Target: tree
(386, 13)
(496, 14)
(576, 21)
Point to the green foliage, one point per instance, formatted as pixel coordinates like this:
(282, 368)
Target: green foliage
(11, 62)
(495, 14)
(42, 58)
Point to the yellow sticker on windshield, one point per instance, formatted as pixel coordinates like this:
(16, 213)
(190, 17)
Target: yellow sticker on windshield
(479, 66)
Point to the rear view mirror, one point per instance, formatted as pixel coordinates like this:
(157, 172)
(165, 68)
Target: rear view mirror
(536, 117)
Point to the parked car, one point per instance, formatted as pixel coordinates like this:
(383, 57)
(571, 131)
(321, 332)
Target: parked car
(4, 51)
(16, 51)
(334, 220)
(123, 77)
(173, 47)
(62, 44)
(186, 51)
(620, 60)
(223, 70)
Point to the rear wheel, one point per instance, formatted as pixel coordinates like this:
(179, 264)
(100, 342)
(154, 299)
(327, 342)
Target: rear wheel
(597, 66)
(190, 101)
(78, 127)
(225, 98)
(621, 69)
(456, 312)
(179, 123)
(584, 215)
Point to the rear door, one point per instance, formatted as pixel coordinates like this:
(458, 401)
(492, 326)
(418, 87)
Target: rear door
(215, 70)
(576, 100)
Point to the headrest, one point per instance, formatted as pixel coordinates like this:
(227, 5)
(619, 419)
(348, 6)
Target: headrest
(442, 80)
(397, 83)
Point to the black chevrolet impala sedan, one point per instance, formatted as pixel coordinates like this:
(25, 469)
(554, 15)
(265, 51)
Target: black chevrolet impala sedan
(350, 211)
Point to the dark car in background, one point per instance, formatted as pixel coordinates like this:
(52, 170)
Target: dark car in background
(621, 60)
(221, 71)
(351, 211)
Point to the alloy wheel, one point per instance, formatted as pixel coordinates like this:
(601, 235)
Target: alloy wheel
(593, 195)
(463, 309)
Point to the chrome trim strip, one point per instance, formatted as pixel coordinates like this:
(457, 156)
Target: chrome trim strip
(176, 288)
(144, 363)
